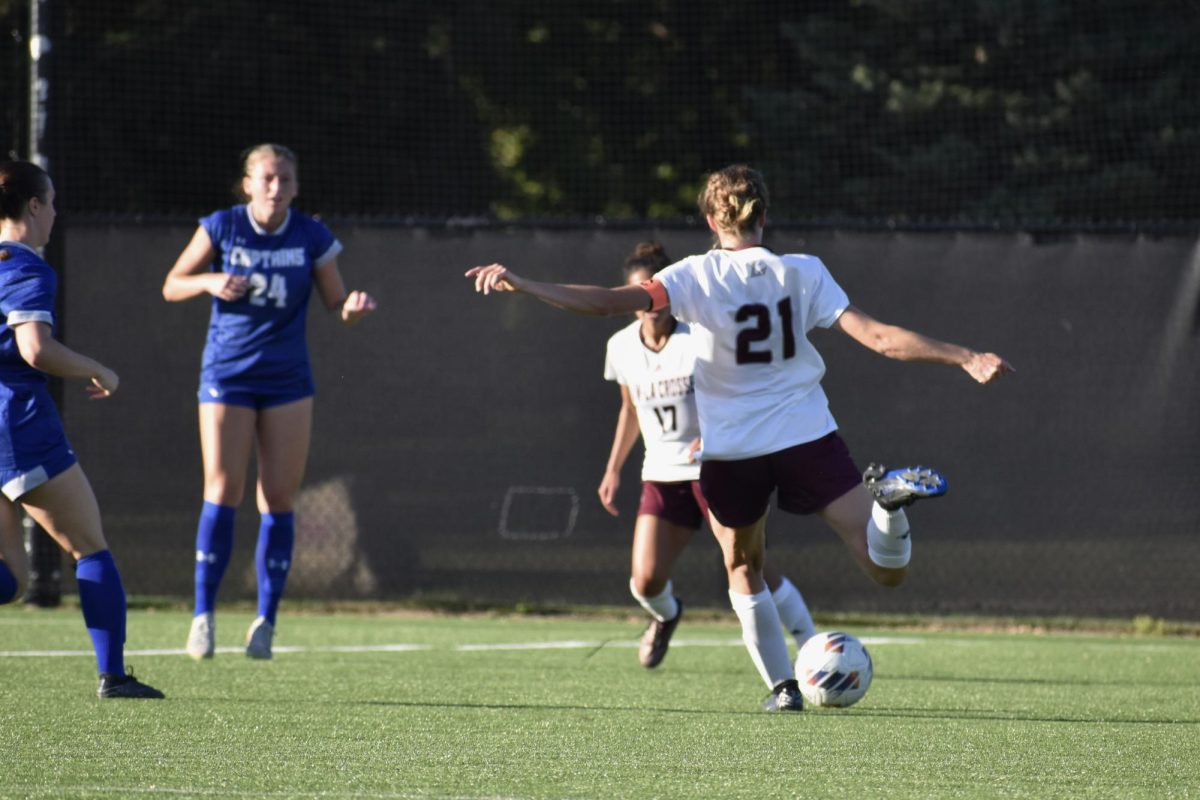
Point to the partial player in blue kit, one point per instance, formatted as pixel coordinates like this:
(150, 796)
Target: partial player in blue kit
(764, 417)
(260, 262)
(38, 469)
(653, 360)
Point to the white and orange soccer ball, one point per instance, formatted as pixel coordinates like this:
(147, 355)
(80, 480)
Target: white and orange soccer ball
(833, 669)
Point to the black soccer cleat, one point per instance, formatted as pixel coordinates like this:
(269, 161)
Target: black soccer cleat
(902, 487)
(653, 647)
(785, 697)
(127, 686)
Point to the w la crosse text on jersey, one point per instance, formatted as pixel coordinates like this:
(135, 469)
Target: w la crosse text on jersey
(661, 388)
(758, 378)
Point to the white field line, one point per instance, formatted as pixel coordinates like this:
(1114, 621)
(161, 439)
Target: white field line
(574, 644)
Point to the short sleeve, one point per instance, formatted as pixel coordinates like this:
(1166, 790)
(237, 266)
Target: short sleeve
(679, 280)
(323, 246)
(610, 360)
(827, 300)
(218, 226)
(27, 294)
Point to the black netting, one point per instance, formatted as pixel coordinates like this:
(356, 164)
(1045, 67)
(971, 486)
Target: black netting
(980, 113)
(458, 441)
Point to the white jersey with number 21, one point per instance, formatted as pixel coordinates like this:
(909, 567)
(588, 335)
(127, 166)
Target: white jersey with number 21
(758, 378)
(660, 386)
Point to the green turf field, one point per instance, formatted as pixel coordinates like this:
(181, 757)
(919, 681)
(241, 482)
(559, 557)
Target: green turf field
(551, 707)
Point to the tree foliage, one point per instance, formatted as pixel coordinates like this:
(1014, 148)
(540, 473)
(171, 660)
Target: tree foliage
(955, 111)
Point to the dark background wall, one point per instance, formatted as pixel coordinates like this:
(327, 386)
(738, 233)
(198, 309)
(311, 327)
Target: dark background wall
(459, 439)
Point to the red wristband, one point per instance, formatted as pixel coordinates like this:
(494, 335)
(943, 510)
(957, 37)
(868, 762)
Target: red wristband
(658, 294)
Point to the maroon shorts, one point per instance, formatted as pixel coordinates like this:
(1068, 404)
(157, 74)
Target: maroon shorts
(808, 477)
(678, 503)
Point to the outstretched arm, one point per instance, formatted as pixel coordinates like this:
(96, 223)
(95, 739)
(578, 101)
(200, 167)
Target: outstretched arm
(623, 440)
(593, 300)
(905, 345)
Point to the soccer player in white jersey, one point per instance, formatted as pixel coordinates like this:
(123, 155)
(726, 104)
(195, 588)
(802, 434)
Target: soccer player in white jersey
(652, 360)
(38, 469)
(764, 416)
(260, 262)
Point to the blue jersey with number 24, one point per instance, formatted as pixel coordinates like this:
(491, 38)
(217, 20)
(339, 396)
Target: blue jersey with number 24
(260, 338)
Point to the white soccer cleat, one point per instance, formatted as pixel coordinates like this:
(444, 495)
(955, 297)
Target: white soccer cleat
(258, 639)
(201, 641)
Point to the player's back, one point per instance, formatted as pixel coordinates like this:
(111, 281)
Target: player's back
(758, 380)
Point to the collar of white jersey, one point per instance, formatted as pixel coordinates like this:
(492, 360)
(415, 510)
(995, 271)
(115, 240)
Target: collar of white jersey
(746, 249)
(260, 230)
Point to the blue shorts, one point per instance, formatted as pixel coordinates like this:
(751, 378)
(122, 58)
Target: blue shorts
(33, 445)
(256, 395)
(15, 482)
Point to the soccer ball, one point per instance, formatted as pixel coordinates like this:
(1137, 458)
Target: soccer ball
(833, 669)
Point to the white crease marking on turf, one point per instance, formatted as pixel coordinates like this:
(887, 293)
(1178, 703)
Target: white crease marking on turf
(375, 648)
(892, 640)
(354, 648)
(44, 653)
(578, 644)
(571, 644)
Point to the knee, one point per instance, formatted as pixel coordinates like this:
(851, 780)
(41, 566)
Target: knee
(83, 541)
(649, 576)
(219, 490)
(743, 561)
(648, 585)
(745, 574)
(276, 497)
(277, 503)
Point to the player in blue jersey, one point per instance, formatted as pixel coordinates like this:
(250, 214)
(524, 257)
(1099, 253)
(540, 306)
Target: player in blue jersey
(260, 262)
(653, 361)
(38, 469)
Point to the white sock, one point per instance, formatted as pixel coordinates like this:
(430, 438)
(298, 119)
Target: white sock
(763, 636)
(888, 544)
(793, 612)
(663, 606)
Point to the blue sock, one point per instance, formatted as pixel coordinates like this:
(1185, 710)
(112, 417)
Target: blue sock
(214, 545)
(273, 556)
(8, 584)
(103, 600)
